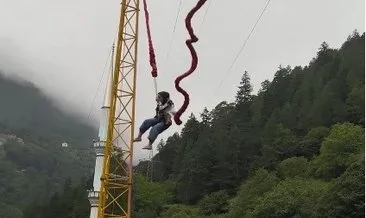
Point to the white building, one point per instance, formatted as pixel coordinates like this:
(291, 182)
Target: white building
(99, 146)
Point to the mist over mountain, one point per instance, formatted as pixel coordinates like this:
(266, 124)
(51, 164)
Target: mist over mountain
(41, 145)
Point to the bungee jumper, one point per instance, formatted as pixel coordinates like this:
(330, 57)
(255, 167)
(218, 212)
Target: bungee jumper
(165, 109)
(161, 122)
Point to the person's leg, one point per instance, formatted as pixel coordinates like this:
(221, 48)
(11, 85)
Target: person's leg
(145, 126)
(154, 132)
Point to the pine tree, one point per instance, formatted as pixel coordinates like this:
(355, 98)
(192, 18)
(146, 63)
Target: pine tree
(245, 89)
(264, 86)
(206, 116)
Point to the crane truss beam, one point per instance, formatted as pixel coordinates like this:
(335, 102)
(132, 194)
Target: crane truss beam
(116, 182)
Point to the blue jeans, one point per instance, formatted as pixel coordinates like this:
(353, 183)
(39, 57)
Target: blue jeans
(158, 126)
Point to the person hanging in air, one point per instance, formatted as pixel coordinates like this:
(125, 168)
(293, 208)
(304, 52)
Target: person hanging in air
(161, 121)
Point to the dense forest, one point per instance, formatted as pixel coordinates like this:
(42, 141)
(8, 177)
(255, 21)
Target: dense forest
(33, 164)
(294, 149)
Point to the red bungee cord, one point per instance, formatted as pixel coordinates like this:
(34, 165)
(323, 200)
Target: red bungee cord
(154, 70)
(194, 62)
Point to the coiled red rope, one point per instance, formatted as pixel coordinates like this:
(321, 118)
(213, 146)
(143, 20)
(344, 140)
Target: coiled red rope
(194, 62)
(154, 70)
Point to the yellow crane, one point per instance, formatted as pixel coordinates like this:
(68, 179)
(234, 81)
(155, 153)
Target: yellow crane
(115, 198)
(115, 195)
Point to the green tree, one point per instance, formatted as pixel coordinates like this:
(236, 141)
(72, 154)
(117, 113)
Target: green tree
(355, 105)
(261, 182)
(180, 211)
(347, 196)
(293, 167)
(310, 144)
(7, 211)
(279, 143)
(214, 203)
(149, 197)
(243, 95)
(291, 198)
(338, 150)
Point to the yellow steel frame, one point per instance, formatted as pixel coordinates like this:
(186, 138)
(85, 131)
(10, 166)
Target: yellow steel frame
(115, 199)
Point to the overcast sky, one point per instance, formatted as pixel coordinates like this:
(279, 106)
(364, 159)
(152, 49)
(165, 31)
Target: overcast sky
(62, 46)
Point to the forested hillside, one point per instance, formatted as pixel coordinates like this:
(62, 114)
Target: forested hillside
(33, 165)
(295, 149)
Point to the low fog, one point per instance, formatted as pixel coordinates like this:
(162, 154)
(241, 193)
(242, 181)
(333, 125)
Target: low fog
(63, 47)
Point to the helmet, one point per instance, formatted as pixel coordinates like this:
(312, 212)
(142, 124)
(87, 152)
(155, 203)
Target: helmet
(164, 95)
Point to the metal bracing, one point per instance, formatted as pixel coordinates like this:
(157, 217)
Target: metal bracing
(115, 199)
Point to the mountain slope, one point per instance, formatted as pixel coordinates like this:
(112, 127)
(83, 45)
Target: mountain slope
(35, 165)
(290, 117)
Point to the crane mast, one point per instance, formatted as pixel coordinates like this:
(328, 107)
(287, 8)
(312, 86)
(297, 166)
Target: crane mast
(115, 198)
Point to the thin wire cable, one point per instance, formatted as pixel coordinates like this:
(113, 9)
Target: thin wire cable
(176, 18)
(103, 73)
(204, 16)
(100, 82)
(174, 27)
(244, 44)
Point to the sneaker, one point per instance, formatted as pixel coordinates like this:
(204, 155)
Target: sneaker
(148, 147)
(138, 139)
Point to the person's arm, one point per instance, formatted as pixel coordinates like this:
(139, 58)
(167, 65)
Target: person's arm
(166, 106)
(172, 110)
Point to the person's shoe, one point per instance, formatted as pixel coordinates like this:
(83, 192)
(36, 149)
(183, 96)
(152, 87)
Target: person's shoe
(137, 139)
(147, 147)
